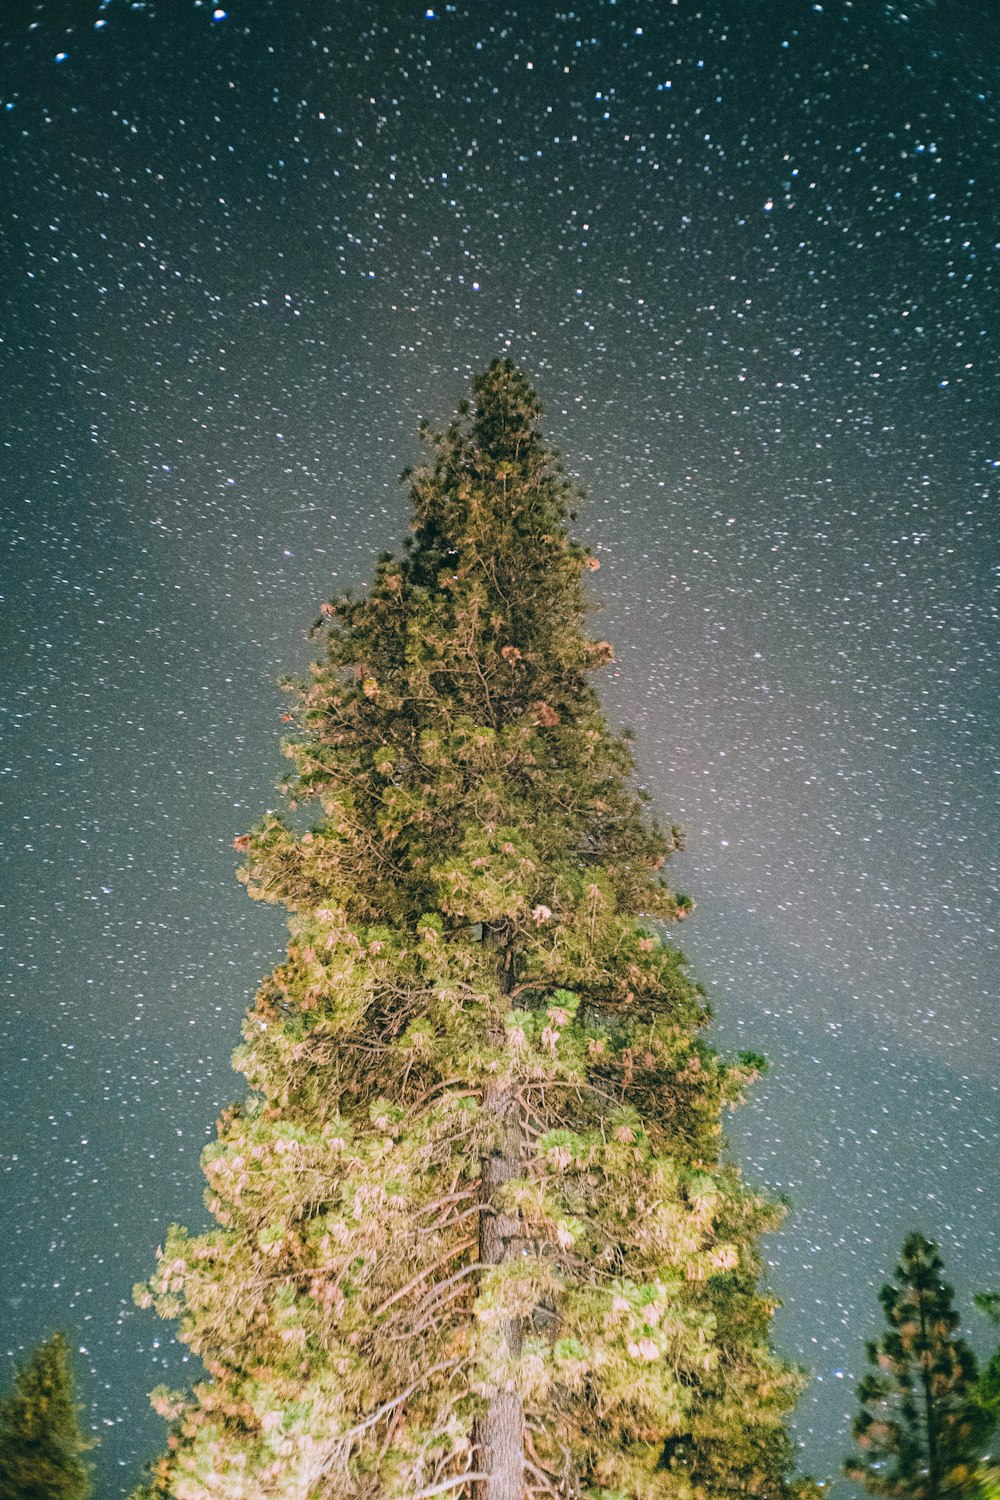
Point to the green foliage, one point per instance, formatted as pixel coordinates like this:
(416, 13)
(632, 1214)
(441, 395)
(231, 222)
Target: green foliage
(989, 1303)
(987, 1397)
(920, 1428)
(988, 1389)
(473, 1218)
(41, 1442)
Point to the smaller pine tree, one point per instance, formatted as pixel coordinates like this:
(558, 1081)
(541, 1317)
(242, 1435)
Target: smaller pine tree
(920, 1426)
(989, 1377)
(988, 1397)
(41, 1441)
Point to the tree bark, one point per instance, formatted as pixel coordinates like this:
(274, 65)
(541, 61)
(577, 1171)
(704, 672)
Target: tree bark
(930, 1415)
(499, 1432)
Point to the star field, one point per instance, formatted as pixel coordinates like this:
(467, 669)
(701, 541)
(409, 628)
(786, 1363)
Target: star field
(749, 257)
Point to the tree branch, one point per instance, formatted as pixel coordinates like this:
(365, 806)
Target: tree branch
(447, 1484)
(388, 1406)
(422, 1275)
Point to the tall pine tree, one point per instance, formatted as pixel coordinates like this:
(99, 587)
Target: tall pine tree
(920, 1427)
(475, 1235)
(41, 1441)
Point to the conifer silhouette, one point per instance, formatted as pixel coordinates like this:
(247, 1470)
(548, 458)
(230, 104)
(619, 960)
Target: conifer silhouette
(920, 1427)
(41, 1442)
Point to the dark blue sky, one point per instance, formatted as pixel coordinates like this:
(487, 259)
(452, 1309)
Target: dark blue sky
(748, 255)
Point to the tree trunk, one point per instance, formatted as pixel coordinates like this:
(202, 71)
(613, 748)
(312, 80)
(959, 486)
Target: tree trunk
(930, 1415)
(499, 1432)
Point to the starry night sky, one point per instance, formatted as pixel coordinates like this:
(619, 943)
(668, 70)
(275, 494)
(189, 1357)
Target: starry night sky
(747, 253)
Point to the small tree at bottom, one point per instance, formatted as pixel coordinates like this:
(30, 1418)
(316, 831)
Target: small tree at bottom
(41, 1442)
(988, 1399)
(920, 1427)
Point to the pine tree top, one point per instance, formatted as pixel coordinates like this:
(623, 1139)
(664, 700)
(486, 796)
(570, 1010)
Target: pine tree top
(41, 1442)
(918, 1297)
(467, 663)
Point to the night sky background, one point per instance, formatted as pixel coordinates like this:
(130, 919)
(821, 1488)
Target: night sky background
(748, 255)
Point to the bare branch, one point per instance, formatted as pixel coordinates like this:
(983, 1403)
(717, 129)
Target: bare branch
(447, 1484)
(422, 1275)
(442, 1286)
(388, 1406)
